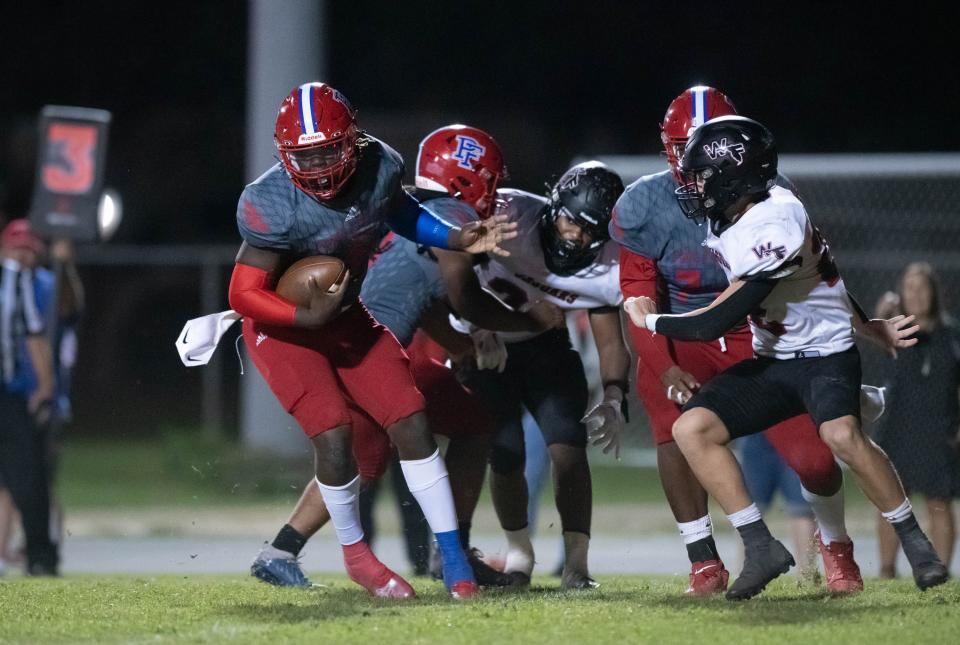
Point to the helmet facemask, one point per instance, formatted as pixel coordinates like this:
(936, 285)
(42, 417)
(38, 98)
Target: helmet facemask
(479, 189)
(566, 256)
(698, 193)
(321, 169)
(673, 147)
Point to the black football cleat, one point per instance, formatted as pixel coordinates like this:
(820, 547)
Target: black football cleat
(518, 579)
(762, 563)
(928, 570)
(577, 580)
(486, 575)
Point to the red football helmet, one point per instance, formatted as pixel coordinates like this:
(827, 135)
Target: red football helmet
(692, 108)
(316, 136)
(464, 162)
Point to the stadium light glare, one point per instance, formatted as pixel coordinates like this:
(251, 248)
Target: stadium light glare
(109, 214)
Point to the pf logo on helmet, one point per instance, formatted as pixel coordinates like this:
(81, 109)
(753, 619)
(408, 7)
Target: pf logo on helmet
(721, 148)
(468, 150)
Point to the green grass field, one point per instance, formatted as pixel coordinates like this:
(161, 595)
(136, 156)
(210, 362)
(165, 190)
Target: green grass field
(179, 469)
(625, 610)
(186, 477)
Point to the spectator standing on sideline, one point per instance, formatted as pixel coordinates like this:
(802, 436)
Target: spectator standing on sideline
(22, 451)
(920, 430)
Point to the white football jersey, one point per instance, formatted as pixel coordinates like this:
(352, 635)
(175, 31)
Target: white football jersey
(522, 279)
(808, 313)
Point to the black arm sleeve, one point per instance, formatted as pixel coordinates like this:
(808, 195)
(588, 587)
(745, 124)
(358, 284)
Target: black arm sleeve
(857, 308)
(716, 321)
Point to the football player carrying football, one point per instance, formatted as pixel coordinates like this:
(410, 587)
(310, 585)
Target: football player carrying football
(662, 257)
(803, 320)
(333, 193)
(403, 291)
(560, 259)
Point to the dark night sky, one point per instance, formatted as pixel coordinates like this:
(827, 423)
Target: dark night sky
(549, 79)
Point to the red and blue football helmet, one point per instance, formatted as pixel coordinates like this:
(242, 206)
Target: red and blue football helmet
(316, 136)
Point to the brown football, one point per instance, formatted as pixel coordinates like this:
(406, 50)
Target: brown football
(315, 272)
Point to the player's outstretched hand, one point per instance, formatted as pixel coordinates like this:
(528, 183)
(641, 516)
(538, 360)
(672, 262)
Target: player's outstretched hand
(605, 425)
(485, 236)
(324, 304)
(891, 334)
(679, 385)
(638, 308)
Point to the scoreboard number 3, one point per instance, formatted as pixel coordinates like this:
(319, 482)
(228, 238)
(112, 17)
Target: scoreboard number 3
(69, 165)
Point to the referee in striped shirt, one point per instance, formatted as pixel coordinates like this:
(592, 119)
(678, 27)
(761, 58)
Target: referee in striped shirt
(22, 445)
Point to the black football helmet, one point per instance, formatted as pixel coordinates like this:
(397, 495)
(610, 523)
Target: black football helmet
(585, 194)
(725, 159)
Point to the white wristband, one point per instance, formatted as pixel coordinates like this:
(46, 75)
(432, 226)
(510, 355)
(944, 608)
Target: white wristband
(650, 322)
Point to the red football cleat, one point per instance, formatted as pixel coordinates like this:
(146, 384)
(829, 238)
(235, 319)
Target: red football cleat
(707, 578)
(464, 590)
(396, 587)
(843, 574)
(366, 570)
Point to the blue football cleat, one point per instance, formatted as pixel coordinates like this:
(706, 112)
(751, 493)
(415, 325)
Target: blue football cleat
(281, 572)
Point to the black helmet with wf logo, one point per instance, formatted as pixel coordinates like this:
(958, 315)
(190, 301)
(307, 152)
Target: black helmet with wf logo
(725, 159)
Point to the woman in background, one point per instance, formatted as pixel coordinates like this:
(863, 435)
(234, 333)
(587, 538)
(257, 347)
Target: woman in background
(920, 428)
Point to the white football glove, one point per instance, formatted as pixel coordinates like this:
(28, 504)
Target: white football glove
(490, 350)
(605, 425)
(872, 402)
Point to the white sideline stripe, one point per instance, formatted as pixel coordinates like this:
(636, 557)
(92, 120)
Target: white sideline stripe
(907, 164)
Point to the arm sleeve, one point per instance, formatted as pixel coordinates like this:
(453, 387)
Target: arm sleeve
(716, 321)
(638, 277)
(857, 309)
(252, 295)
(416, 222)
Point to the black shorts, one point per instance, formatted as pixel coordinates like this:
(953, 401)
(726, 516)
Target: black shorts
(760, 392)
(544, 375)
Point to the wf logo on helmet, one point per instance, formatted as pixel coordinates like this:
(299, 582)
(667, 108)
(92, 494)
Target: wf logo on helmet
(468, 150)
(721, 148)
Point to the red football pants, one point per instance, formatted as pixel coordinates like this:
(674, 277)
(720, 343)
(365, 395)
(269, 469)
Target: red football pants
(320, 375)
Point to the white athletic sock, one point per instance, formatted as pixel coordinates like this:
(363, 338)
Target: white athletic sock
(519, 551)
(829, 513)
(746, 515)
(900, 513)
(576, 545)
(429, 483)
(343, 504)
(696, 530)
